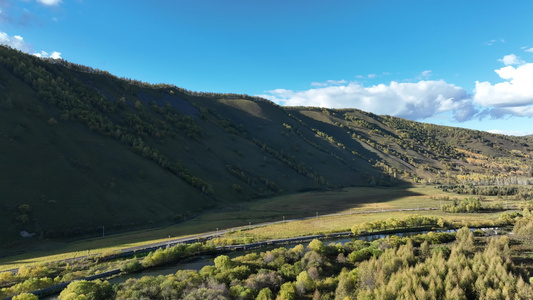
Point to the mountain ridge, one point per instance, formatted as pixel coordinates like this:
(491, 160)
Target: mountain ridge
(124, 154)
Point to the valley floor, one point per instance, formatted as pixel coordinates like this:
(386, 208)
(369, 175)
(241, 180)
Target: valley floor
(310, 213)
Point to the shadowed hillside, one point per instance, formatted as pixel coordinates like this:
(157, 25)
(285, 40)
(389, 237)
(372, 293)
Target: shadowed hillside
(81, 149)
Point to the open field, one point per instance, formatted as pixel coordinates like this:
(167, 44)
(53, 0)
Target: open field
(266, 210)
(345, 222)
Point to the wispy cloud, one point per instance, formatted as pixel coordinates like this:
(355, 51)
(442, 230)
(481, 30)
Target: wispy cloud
(530, 50)
(16, 16)
(329, 82)
(49, 2)
(511, 132)
(494, 41)
(21, 16)
(372, 75)
(425, 75)
(511, 60)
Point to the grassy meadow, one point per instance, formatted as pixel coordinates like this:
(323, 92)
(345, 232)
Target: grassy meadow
(302, 205)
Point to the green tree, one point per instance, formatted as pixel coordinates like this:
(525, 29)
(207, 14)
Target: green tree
(223, 262)
(425, 251)
(90, 290)
(25, 296)
(317, 246)
(265, 294)
(287, 292)
(356, 229)
(347, 284)
(304, 283)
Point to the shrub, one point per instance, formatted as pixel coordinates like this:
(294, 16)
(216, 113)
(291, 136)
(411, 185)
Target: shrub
(132, 266)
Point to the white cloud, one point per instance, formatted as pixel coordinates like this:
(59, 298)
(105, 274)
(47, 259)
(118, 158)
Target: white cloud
(49, 2)
(425, 74)
(492, 42)
(511, 60)
(329, 82)
(44, 54)
(515, 91)
(369, 76)
(55, 55)
(511, 132)
(41, 55)
(408, 100)
(529, 50)
(513, 97)
(503, 112)
(16, 42)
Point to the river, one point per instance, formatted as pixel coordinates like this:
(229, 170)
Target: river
(207, 260)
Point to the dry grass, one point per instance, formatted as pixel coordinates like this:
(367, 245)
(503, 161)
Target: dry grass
(345, 222)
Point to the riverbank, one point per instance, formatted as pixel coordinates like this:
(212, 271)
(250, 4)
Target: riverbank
(334, 237)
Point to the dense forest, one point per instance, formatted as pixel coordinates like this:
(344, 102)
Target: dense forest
(82, 149)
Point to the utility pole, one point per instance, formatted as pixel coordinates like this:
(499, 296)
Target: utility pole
(317, 214)
(168, 242)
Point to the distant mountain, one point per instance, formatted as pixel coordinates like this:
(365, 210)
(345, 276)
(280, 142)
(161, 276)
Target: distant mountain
(81, 149)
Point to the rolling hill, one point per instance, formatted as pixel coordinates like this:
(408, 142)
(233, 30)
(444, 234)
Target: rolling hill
(81, 149)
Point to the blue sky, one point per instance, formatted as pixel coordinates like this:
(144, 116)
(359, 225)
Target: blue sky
(457, 63)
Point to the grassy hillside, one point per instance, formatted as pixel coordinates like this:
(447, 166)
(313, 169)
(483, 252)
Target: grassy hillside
(81, 149)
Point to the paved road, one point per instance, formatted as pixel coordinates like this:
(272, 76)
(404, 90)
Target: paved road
(210, 235)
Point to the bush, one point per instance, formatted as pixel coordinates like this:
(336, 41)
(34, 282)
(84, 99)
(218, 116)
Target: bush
(25, 296)
(132, 266)
(91, 290)
(265, 294)
(287, 291)
(360, 255)
(443, 249)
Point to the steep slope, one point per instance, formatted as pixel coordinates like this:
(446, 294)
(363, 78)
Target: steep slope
(82, 149)
(74, 180)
